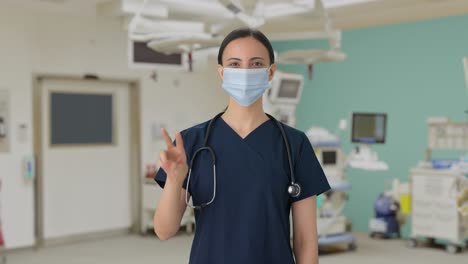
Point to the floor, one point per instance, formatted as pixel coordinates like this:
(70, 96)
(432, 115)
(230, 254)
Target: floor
(149, 250)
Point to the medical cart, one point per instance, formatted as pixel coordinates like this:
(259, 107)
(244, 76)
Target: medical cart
(439, 197)
(333, 227)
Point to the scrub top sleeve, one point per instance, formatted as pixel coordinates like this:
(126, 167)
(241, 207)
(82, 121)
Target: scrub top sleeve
(309, 173)
(161, 178)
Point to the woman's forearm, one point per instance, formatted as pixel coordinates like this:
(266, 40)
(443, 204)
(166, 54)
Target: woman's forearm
(305, 231)
(306, 252)
(170, 209)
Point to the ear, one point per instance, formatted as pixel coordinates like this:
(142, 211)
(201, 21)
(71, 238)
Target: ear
(220, 71)
(272, 71)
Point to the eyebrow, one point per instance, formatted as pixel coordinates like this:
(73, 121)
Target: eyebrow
(256, 58)
(251, 59)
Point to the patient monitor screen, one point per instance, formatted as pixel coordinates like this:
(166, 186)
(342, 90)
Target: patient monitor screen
(329, 158)
(289, 89)
(369, 128)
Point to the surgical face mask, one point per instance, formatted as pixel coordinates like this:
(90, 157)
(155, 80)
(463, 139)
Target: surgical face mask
(245, 85)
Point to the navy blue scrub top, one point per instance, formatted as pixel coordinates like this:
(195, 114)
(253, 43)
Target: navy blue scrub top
(248, 222)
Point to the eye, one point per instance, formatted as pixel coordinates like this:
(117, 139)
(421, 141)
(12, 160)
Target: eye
(257, 64)
(233, 64)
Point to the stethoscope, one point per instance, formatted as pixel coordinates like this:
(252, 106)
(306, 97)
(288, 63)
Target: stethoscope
(294, 189)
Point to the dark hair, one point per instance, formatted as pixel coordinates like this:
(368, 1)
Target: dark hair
(243, 33)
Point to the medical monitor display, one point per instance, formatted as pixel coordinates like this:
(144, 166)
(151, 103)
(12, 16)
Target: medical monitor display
(369, 128)
(329, 158)
(289, 89)
(286, 88)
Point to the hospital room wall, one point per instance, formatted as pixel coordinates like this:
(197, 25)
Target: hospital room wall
(411, 71)
(34, 43)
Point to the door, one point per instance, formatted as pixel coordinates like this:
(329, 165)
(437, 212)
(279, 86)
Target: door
(85, 185)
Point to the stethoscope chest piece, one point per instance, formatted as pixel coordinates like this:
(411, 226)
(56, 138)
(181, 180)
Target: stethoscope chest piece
(294, 190)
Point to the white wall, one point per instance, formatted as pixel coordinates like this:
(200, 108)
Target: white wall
(53, 44)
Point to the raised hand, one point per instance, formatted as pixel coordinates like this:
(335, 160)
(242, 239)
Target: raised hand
(173, 159)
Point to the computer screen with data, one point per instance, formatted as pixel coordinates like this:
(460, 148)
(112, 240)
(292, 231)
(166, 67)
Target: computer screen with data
(369, 128)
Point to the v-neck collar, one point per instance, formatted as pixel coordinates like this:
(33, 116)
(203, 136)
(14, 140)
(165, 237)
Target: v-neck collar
(249, 134)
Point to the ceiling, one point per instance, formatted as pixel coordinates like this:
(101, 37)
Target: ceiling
(359, 15)
(375, 13)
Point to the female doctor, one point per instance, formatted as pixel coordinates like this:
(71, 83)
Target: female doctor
(243, 170)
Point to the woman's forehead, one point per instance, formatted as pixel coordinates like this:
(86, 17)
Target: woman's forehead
(245, 48)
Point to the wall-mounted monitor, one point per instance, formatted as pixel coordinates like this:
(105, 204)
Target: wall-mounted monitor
(369, 128)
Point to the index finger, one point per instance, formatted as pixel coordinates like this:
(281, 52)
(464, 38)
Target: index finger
(167, 138)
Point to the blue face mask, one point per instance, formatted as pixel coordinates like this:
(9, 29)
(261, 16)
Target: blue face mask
(245, 85)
